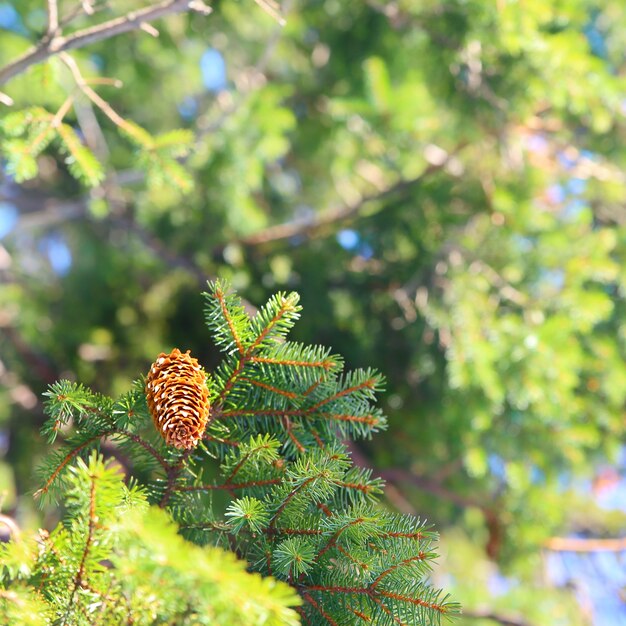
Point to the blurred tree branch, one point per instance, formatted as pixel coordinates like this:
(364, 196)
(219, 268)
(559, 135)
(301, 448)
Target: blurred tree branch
(311, 227)
(33, 358)
(494, 616)
(429, 485)
(584, 544)
(53, 18)
(54, 42)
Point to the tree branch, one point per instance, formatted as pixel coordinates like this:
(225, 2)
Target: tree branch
(51, 44)
(429, 485)
(85, 7)
(36, 361)
(494, 616)
(53, 18)
(342, 213)
(102, 104)
(582, 544)
(399, 475)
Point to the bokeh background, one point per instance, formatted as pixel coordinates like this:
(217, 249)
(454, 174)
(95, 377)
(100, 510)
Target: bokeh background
(442, 181)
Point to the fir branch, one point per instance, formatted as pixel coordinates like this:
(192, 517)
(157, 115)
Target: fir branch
(145, 445)
(299, 509)
(264, 447)
(65, 461)
(289, 429)
(319, 608)
(440, 608)
(105, 562)
(374, 592)
(274, 320)
(230, 485)
(369, 420)
(78, 579)
(298, 531)
(370, 383)
(292, 494)
(421, 556)
(258, 383)
(333, 539)
(326, 364)
(219, 293)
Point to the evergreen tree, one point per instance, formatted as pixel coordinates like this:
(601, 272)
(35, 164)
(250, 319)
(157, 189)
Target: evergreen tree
(251, 459)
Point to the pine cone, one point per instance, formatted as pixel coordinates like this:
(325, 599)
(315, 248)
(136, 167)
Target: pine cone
(178, 398)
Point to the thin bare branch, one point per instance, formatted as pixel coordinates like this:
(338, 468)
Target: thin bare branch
(583, 544)
(52, 45)
(87, 6)
(62, 112)
(53, 18)
(272, 9)
(84, 7)
(6, 99)
(102, 104)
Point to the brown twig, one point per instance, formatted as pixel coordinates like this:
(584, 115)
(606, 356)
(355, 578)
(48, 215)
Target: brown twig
(78, 579)
(53, 44)
(62, 112)
(100, 102)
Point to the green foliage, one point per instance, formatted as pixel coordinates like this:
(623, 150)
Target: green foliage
(29, 132)
(159, 156)
(299, 510)
(442, 181)
(80, 161)
(116, 560)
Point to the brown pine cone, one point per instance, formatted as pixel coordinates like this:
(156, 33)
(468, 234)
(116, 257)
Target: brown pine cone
(178, 398)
